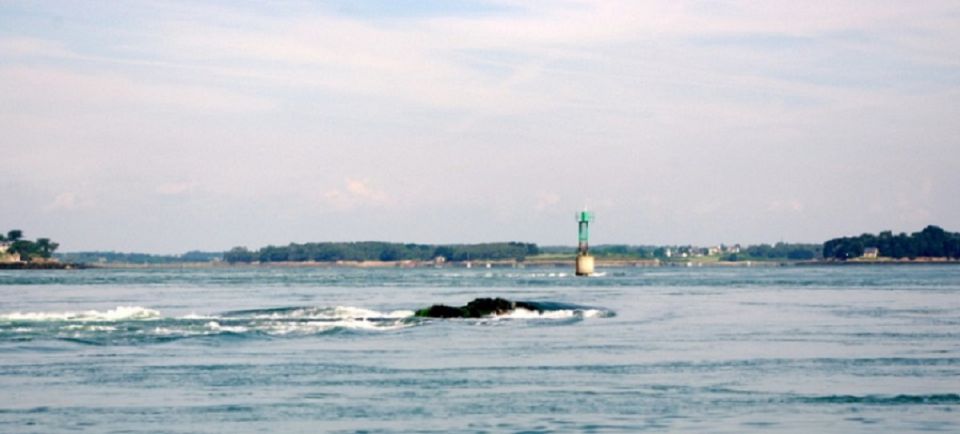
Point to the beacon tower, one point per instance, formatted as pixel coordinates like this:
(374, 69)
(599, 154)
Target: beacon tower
(584, 260)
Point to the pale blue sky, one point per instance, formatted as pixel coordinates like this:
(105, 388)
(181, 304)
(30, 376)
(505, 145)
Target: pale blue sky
(166, 126)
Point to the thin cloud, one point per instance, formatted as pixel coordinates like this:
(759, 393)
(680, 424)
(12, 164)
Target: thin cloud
(69, 201)
(355, 194)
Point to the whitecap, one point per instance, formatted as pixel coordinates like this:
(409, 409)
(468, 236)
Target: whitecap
(348, 312)
(325, 313)
(119, 313)
(521, 313)
(92, 328)
(281, 328)
(215, 326)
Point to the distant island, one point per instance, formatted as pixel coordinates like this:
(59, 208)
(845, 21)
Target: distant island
(932, 244)
(18, 252)
(372, 253)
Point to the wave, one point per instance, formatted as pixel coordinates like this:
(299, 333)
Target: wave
(119, 313)
(936, 399)
(555, 314)
(338, 312)
(135, 324)
(555, 310)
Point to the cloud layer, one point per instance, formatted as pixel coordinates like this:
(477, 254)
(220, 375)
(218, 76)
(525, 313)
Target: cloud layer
(165, 126)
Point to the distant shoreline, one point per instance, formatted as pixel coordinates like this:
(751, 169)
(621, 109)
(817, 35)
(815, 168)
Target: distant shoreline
(46, 265)
(551, 263)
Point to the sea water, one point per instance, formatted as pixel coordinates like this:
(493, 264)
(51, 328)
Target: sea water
(246, 349)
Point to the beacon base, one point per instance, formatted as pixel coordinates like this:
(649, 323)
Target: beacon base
(584, 265)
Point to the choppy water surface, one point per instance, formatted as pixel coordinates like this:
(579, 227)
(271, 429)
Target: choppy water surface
(821, 349)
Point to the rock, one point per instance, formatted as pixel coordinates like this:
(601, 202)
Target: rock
(487, 306)
(440, 311)
(477, 308)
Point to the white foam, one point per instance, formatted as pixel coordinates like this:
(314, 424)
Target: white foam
(348, 312)
(163, 331)
(215, 326)
(117, 314)
(293, 322)
(520, 313)
(335, 313)
(595, 313)
(92, 328)
(313, 327)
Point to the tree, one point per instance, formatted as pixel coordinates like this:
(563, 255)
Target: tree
(44, 248)
(800, 254)
(238, 254)
(932, 241)
(446, 252)
(14, 235)
(27, 249)
(390, 253)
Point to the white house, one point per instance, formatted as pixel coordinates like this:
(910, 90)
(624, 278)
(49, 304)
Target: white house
(5, 255)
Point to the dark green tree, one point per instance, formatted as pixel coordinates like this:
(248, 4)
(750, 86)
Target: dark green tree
(239, 254)
(26, 248)
(44, 248)
(932, 241)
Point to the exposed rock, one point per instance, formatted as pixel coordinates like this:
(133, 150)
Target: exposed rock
(477, 308)
(440, 311)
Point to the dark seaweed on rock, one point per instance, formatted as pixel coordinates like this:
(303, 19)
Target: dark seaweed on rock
(477, 308)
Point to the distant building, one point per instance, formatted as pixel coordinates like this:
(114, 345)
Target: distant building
(6, 256)
(871, 252)
(713, 251)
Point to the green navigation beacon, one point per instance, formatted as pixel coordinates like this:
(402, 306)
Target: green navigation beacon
(584, 260)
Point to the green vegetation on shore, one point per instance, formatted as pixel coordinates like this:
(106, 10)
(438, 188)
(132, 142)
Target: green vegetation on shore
(931, 242)
(758, 252)
(139, 258)
(14, 245)
(777, 252)
(381, 251)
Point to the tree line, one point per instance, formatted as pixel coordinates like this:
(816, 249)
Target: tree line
(778, 251)
(381, 251)
(758, 252)
(932, 242)
(28, 250)
(92, 257)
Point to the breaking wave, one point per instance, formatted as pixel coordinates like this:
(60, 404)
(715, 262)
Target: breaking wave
(135, 324)
(117, 314)
(556, 314)
(554, 310)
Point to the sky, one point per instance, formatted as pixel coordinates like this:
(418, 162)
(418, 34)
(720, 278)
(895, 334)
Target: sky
(167, 126)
